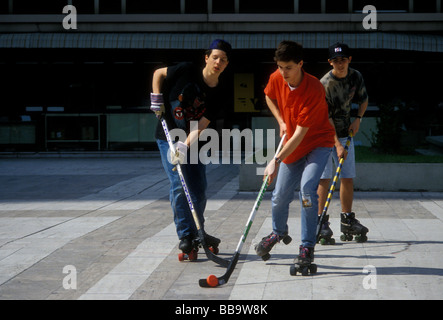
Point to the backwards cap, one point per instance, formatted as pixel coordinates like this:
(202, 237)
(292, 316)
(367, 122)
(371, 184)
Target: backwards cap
(221, 45)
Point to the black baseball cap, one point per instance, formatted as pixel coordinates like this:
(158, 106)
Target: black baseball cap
(339, 50)
(221, 45)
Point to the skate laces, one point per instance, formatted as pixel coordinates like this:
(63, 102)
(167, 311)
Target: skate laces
(271, 240)
(325, 225)
(325, 222)
(351, 219)
(304, 252)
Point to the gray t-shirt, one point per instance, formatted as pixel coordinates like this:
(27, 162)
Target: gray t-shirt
(340, 94)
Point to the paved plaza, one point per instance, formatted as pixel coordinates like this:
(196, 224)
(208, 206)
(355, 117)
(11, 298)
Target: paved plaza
(102, 228)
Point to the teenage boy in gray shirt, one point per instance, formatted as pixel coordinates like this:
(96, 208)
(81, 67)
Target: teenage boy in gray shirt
(343, 86)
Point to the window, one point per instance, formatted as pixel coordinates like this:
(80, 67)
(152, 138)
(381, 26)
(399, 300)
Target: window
(277, 6)
(380, 5)
(110, 6)
(4, 7)
(337, 6)
(196, 6)
(38, 7)
(84, 7)
(223, 6)
(425, 6)
(137, 6)
(309, 6)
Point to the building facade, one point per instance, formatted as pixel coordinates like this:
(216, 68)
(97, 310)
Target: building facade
(76, 73)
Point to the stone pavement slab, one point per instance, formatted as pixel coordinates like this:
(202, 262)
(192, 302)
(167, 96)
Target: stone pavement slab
(102, 228)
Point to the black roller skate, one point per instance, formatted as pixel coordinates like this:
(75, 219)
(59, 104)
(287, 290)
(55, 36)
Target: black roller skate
(189, 247)
(326, 232)
(267, 243)
(303, 263)
(351, 226)
(212, 243)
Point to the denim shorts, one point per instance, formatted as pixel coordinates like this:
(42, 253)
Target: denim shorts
(348, 167)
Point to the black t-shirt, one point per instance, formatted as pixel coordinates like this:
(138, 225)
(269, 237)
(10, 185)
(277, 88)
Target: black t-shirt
(188, 98)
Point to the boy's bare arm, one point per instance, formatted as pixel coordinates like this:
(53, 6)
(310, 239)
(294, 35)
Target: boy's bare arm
(158, 78)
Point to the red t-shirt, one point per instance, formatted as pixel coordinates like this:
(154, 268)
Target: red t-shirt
(305, 106)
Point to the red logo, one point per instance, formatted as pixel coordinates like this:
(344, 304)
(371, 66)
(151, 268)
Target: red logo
(178, 113)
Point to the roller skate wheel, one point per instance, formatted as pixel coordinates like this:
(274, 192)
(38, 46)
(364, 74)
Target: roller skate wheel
(214, 250)
(266, 257)
(293, 270)
(192, 256)
(287, 240)
(313, 268)
(212, 280)
(361, 238)
(346, 237)
(181, 256)
(324, 241)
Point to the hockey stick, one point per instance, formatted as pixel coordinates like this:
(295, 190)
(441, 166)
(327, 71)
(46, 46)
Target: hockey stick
(201, 234)
(332, 188)
(212, 280)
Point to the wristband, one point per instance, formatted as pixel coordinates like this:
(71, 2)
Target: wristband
(278, 160)
(157, 98)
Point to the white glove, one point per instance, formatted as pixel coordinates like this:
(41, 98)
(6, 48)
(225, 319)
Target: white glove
(179, 156)
(158, 105)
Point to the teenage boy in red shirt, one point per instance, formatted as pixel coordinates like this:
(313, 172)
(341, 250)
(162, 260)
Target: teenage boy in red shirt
(297, 101)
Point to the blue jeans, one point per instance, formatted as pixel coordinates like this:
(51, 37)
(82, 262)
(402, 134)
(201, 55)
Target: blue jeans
(304, 173)
(195, 177)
